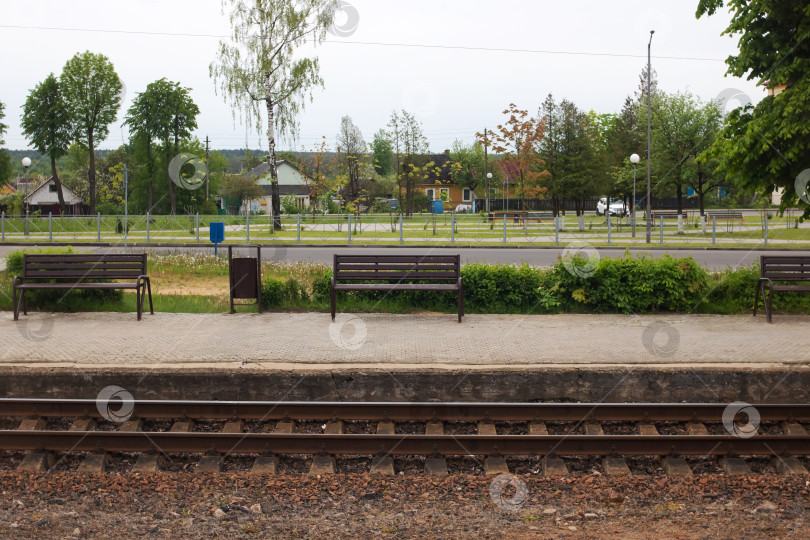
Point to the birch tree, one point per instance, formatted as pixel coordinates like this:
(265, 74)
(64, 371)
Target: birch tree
(257, 67)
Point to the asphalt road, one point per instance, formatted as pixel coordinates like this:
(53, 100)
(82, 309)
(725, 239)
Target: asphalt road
(716, 259)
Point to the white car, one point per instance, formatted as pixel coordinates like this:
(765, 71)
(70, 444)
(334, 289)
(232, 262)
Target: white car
(617, 207)
(463, 208)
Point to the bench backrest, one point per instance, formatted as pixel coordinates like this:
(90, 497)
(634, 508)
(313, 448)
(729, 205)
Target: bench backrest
(78, 267)
(397, 267)
(785, 268)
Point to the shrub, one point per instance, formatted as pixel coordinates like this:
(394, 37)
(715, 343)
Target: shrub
(274, 292)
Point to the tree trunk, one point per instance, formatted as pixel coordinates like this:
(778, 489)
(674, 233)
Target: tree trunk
(172, 196)
(91, 173)
(56, 181)
(679, 195)
(271, 157)
(700, 192)
(150, 170)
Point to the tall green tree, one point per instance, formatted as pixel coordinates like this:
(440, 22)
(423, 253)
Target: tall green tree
(46, 123)
(467, 167)
(571, 155)
(5, 159)
(683, 128)
(92, 92)
(383, 153)
(410, 146)
(351, 150)
(766, 146)
(258, 66)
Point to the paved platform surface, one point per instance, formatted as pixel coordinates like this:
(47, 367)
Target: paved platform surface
(311, 341)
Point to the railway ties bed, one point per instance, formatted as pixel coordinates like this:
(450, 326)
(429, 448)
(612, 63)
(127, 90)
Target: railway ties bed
(542, 437)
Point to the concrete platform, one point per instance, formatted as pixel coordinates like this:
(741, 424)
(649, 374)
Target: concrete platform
(407, 357)
(436, 341)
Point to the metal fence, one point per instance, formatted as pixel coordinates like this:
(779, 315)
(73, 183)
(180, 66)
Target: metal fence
(497, 228)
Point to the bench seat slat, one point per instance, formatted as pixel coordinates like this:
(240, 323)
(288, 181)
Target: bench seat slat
(69, 258)
(791, 287)
(395, 287)
(342, 259)
(85, 266)
(416, 267)
(396, 275)
(69, 274)
(124, 285)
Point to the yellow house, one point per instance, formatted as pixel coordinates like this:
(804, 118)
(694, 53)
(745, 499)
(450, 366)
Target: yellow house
(7, 189)
(439, 186)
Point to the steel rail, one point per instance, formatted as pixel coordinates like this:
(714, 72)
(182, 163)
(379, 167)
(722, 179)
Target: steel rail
(396, 411)
(404, 444)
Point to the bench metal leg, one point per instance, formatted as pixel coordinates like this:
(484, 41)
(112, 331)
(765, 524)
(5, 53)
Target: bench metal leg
(138, 300)
(769, 305)
(15, 304)
(333, 302)
(149, 289)
(460, 302)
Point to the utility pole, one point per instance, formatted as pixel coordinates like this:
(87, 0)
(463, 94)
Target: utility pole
(486, 166)
(206, 167)
(649, 76)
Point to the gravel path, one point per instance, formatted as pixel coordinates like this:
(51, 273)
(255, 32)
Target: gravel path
(186, 505)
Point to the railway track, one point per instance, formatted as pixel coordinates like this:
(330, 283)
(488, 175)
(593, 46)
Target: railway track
(492, 431)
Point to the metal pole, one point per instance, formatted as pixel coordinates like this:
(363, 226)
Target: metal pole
(349, 227)
(50, 227)
(633, 202)
(714, 230)
(649, 74)
(452, 229)
(147, 227)
(400, 229)
(504, 228)
(98, 227)
(126, 209)
(608, 220)
(298, 228)
(197, 225)
(27, 217)
(766, 229)
(486, 166)
(661, 229)
(247, 225)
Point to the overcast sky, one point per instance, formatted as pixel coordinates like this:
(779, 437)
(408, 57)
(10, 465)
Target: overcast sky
(595, 51)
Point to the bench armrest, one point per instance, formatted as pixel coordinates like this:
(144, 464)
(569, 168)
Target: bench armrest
(332, 282)
(15, 280)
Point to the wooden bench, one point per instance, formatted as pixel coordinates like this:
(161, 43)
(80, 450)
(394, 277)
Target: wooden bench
(92, 271)
(539, 216)
(392, 272)
(725, 215)
(793, 269)
(666, 214)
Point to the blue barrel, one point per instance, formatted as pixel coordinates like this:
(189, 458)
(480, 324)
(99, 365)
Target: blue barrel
(437, 207)
(217, 232)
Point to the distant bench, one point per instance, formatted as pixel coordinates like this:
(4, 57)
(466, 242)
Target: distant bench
(69, 271)
(666, 214)
(392, 272)
(725, 215)
(521, 216)
(792, 269)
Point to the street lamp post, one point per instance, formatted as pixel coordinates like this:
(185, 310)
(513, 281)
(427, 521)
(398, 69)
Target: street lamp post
(26, 162)
(489, 177)
(649, 76)
(634, 159)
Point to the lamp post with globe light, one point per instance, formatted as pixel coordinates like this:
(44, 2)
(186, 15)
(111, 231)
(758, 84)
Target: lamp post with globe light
(489, 177)
(634, 159)
(26, 162)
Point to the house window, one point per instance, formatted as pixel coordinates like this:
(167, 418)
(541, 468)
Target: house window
(466, 195)
(52, 188)
(444, 193)
(431, 193)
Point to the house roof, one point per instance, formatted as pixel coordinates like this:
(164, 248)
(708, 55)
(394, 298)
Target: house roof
(65, 189)
(9, 188)
(264, 168)
(439, 173)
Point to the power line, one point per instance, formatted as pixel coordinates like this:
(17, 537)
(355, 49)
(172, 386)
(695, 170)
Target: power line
(372, 43)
